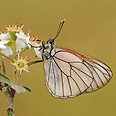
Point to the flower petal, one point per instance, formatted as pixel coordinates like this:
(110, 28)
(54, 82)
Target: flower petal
(8, 51)
(4, 36)
(3, 47)
(38, 53)
(23, 37)
(19, 44)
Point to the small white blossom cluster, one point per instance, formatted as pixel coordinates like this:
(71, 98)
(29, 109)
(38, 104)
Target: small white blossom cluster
(4, 39)
(15, 41)
(29, 41)
(22, 41)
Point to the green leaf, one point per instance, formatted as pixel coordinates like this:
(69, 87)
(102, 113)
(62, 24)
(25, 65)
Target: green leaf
(4, 79)
(18, 89)
(26, 87)
(4, 76)
(10, 111)
(21, 88)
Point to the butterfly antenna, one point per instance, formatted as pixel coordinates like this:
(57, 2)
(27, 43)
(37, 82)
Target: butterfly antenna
(59, 28)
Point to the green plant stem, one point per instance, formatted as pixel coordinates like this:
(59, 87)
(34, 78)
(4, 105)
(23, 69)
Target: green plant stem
(14, 50)
(24, 49)
(7, 57)
(14, 68)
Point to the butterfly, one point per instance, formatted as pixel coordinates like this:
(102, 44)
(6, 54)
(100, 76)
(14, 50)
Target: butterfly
(69, 73)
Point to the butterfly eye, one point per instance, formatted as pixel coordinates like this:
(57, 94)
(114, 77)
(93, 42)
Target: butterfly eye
(50, 41)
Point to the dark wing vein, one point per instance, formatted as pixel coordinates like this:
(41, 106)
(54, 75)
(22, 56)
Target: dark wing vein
(95, 72)
(100, 71)
(80, 78)
(64, 74)
(47, 81)
(57, 72)
(104, 67)
(103, 72)
(76, 83)
(54, 78)
(69, 85)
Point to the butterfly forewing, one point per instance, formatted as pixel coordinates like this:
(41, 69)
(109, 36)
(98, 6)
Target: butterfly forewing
(70, 73)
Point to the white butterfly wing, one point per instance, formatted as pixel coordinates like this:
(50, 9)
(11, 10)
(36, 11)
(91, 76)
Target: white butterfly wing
(70, 73)
(101, 73)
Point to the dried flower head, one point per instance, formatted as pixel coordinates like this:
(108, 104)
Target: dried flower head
(14, 27)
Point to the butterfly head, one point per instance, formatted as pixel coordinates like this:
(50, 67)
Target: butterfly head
(50, 41)
(48, 49)
(49, 44)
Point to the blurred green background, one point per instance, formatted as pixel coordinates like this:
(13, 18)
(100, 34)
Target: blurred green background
(90, 27)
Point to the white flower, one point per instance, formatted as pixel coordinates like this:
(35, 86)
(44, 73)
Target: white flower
(19, 44)
(21, 64)
(29, 42)
(24, 38)
(8, 51)
(4, 36)
(37, 50)
(2, 44)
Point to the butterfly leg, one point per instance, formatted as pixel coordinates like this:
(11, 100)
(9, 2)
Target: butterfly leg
(33, 62)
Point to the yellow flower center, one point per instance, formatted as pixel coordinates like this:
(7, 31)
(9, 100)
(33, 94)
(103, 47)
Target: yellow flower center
(21, 64)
